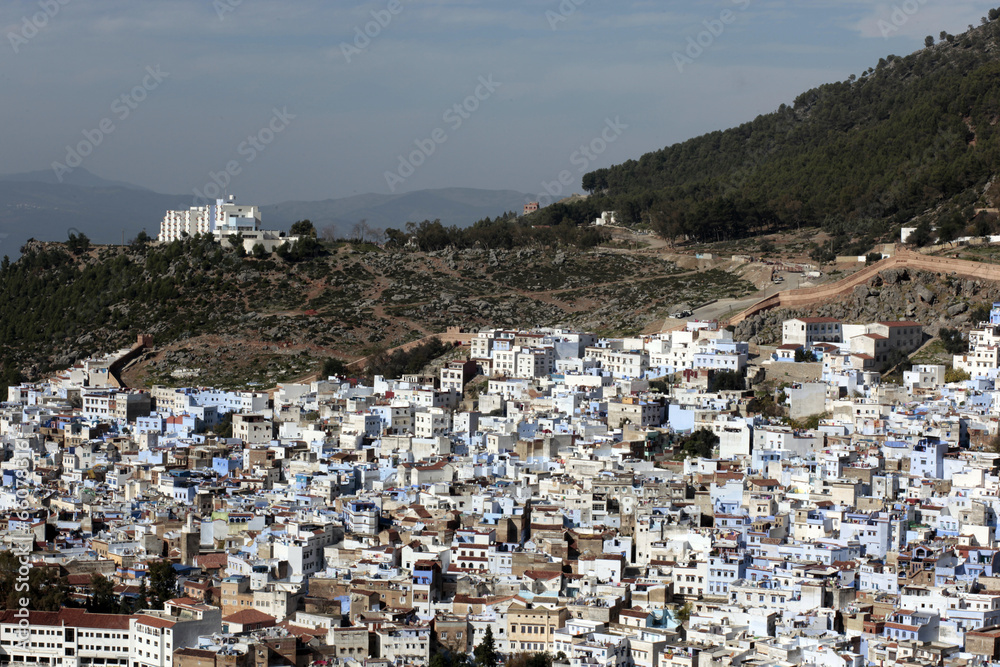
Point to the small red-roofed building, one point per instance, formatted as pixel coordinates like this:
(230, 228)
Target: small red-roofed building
(984, 642)
(786, 352)
(542, 581)
(247, 620)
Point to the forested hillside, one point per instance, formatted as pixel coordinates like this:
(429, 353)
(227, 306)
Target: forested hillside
(909, 134)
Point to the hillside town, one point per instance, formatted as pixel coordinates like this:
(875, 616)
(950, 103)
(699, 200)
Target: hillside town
(679, 499)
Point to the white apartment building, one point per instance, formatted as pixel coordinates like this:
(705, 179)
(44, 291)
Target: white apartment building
(626, 364)
(98, 405)
(696, 348)
(924, 376)
(368, 425)
(452, 377)
(503, 363)
(110, 404)
(639, 413)
(68, 637)
(179, 400)
(362, 517)
(983, 357)
(222, 219)
(534, 362)
(432, 423)
(482, 345)
(719, 361)
(808, 330)
(735, 435)
(302, 546)
(253, 429)
(690, 579)
(155, 634)
(523, 362)
(397, 418)
(409, 644)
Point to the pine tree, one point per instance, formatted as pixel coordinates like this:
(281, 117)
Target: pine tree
(486, 652)
(142, 602)
(102, 595)
(683, 614)
(124, 605)
(162, 582)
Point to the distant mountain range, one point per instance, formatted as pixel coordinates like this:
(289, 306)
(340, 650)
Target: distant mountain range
(36, 205)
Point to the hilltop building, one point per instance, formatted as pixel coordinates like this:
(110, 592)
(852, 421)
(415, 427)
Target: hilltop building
(222, 219)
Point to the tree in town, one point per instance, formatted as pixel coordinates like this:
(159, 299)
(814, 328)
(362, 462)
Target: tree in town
(446, 658)
(102, 595)
(142, 600)
(333, 366)
(486, 653)
(729, 381)
(700, 443)
(224, 429)
(956, 375)
(683, 615)
(162, 582)
(46, 590)
(952, 340)
(920, 236)
(804, 356)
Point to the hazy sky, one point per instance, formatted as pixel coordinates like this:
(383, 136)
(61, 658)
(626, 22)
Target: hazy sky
(166, 93)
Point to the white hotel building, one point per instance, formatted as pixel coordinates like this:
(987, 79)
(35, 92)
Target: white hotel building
(219, 219)
(223, 220)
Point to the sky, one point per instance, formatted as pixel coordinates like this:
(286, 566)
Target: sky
(278, 100)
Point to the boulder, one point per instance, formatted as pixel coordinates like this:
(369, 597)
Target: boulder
(957, 309)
